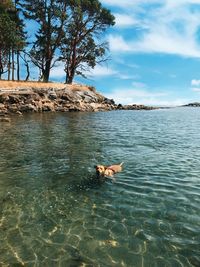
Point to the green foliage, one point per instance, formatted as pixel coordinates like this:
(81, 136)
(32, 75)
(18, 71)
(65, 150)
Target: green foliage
(7, 29)
(12, 37)
(81, 48)
(7, 26)
(50, 16)
(5, 5)
(68, 30)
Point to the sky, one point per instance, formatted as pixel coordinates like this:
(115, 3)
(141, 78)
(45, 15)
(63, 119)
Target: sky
(154, 53)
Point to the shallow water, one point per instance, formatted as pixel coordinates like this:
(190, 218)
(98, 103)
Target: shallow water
(53, 211)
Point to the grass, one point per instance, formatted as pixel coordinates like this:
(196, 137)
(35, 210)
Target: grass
(12, 85)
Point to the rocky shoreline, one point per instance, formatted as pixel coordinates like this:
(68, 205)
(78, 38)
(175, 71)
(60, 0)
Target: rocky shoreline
(194, 105)
(23, 100)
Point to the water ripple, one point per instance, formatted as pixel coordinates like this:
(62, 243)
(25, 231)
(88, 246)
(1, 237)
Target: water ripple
(53, 210)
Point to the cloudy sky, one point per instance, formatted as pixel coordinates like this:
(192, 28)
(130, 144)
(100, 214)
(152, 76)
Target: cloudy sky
(154, 53)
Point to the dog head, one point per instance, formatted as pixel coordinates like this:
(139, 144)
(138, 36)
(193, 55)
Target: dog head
(100, 169)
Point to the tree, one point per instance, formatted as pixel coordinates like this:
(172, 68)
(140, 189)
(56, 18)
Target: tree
(21, 41)
(12, 38)
(50, 16)
(5, 4)
(6, 27)
(81, 48)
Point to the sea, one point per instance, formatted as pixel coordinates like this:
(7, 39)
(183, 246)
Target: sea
(55, 211)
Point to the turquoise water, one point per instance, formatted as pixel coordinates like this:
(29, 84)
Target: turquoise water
(53, 211)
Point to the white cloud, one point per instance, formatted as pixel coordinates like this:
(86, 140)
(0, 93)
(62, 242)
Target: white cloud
(127, 3)
(117, 44)
(168, 3)
(127, 76)
(196, 89)
(58, 72)
(139, 85)
(145, 97)
(172, 3)
(124, 20)
(100, 71)
(195, 82)
(104, 71)
(124, 3)
(170, 28)
(157, 41)
(195, 85)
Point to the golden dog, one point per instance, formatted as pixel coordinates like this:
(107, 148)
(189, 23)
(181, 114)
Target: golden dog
(108, 171)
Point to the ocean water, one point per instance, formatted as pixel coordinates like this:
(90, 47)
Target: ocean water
(54, 212)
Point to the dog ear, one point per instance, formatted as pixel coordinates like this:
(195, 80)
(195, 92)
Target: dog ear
(95, 166)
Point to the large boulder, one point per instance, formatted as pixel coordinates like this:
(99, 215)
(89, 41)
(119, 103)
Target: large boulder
(28, 108)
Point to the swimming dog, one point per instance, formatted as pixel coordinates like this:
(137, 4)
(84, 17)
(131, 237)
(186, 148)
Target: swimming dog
(108, 171)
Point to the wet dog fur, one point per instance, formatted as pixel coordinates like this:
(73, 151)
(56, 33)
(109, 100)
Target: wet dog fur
(108, 171)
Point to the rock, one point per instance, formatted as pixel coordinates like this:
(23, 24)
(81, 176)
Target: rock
(13, 99)
(48, 107)
(68, 95)
(109, 101)
(4, 98)
(61, 109)
(3, 109)
(136, 107)
(52, 96)
(40, 92)
(27, 108)
(69, 98)
(5, 119)
(119, 106)
(195, 104)
(13, 108)
(19, 113)
(86, 96)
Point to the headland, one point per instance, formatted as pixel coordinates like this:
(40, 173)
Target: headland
(22, 97)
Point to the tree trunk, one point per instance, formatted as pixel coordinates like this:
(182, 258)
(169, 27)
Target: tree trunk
(70, 72)
(13, 65)
(28, 71)
(18, 66)
(46, 72)
(9, 63)
(71, 66)
(69, 79)
(45, 76)
(1, 65)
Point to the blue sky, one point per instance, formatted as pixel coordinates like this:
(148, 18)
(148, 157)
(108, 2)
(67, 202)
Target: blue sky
(154, 53)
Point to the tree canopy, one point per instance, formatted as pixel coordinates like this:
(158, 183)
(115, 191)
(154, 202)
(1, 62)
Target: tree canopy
(50, 15)
(81, 47)
(69, 31)
(12, 37)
